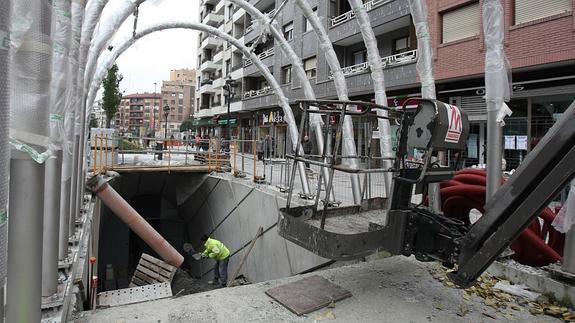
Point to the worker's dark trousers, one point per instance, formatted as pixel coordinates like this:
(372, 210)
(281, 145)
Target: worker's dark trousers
(221, 271)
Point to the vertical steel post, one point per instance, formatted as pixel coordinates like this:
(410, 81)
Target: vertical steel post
(32, 62)
(64, 213)
(569, 251)
(24, 287)
(51, 224)
(4, 145)
(494, 151)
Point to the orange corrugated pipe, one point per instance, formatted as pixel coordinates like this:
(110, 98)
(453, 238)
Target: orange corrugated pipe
(135, 221)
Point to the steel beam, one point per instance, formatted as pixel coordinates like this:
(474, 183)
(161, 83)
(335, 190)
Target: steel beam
(51, 224)
(24, 287)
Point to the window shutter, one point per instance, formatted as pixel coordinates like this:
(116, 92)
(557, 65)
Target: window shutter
(461, 23)
(310, 63)
(528, 10)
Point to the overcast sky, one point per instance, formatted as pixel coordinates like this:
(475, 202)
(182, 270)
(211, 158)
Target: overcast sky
(152, 57)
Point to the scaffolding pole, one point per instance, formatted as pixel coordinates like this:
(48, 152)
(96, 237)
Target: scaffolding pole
(31, 62)
(24, 288)
(51, 224)
(4, 146)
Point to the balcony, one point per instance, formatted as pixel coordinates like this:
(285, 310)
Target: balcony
(218, 83)
(252, 32)
(219, 55)
(210, 42)
(384, 15)
(213, 19)
(267, 53)
(388, 62)
(208, 66)
(237, 72)
(206, 87)
(255, 93)
(239, 14)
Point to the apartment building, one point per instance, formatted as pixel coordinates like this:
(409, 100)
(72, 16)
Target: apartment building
(138, 114)
(254, 109)
(178, 95)
(539, 42)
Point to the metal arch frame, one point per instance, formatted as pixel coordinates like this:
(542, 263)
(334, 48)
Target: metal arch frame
(339, 82)
(213, 31)
(297, 67)
(377, 76)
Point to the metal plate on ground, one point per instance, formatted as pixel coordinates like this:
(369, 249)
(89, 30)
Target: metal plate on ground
(134, 295)
(308, 294)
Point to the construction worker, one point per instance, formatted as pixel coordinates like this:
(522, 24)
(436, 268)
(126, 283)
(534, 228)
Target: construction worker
(220, 253)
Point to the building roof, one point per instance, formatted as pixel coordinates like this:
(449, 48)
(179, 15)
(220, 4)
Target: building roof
(142, 96)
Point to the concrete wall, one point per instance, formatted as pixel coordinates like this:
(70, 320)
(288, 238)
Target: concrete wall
(231, 210)
(234, 211)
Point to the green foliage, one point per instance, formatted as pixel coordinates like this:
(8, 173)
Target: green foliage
(188, 124)
(93, 122)
(112, 96)
(129, 144)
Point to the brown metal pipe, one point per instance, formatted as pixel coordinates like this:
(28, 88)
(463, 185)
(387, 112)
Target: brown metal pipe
(135, 221)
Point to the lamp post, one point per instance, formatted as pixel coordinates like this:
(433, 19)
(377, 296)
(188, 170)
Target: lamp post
(230, 88)
(154, 110)
(166, 113)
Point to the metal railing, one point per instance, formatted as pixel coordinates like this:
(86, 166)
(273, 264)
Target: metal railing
(255, 93)
(368, 6)
(262, 162)
(267, 53)
(388, 62)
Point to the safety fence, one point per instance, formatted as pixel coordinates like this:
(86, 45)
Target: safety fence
(252, 160)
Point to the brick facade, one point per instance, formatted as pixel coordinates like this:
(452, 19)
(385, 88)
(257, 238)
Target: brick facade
(543, 41)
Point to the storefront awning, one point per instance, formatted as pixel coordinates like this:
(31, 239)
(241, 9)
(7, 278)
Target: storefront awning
(202, 122)
(225, 121)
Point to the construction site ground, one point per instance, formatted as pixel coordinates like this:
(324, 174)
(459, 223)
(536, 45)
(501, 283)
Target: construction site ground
(395, 289)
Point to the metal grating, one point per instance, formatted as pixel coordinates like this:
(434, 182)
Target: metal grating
(134, 295)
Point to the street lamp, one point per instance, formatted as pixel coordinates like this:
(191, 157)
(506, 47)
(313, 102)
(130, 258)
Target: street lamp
(166, 113)
(230, 88)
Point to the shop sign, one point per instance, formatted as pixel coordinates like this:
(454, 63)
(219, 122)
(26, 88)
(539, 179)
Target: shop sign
(273, 117)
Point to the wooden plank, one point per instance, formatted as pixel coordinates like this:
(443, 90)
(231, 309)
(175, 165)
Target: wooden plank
(155, 269)
(308, 294)
(137, 281)
(144, 277)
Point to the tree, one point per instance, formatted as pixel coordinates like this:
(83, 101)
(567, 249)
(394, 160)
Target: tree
(188, 124)
(112, 96)
(93, 121)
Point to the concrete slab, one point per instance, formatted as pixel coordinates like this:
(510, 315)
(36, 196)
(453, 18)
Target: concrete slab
(395, 289)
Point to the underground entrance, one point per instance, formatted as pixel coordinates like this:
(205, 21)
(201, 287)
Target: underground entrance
(184, 206)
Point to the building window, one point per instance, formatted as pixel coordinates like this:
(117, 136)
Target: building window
(286, 74)
(228, 67)
(529, 10)
(229, 12)
(461, 23)
(401, 45)
(288, 31)
(307, 24)
(359, 57)
(310, 67)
